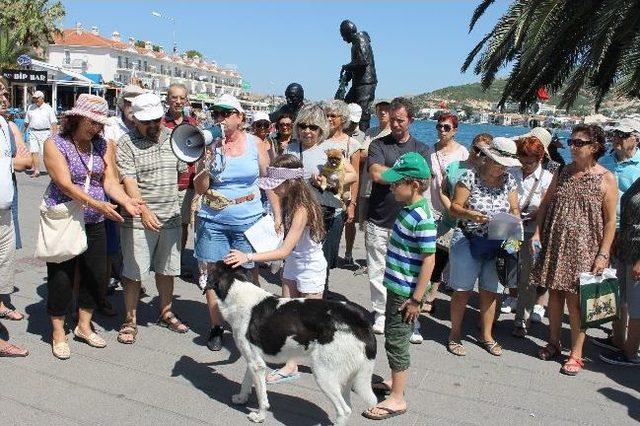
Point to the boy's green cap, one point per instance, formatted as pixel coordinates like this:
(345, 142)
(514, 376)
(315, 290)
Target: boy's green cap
(411, 165)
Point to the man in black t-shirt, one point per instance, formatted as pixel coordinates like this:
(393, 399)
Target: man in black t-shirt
(383, 208)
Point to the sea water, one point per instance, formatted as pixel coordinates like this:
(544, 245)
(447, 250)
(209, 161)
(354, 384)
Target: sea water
(425, 131)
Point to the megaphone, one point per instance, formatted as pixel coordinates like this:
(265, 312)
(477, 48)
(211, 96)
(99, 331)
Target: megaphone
(188, 142)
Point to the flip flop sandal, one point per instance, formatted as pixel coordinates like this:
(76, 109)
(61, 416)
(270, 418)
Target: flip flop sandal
(492, 347)
(381, 388)
(172, 323)
(388, 413)
(456, 348)
(282, 377)
(128, 329)
(572, 362)
(7, 314)
(12, 351)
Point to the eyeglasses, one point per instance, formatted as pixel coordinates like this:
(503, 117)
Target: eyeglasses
(445, 127)
(311, 127)
(223, 112)
(578, 143)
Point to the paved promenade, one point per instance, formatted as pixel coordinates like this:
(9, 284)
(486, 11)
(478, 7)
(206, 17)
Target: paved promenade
(166, 378)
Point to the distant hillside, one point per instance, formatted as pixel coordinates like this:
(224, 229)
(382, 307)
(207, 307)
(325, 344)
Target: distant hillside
(474, 94)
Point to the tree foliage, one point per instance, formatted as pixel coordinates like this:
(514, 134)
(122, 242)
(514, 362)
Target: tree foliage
(33, 23)
(193, 53)
(563, 45)
(10, 48)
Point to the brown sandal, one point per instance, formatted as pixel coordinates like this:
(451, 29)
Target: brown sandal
(549, 352)
(172, 322)
(127, 329)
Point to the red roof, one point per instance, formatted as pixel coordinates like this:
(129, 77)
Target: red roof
(70, 37)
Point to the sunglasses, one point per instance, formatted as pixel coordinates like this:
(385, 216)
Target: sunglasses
(311, 127)
(264, 125)
(285, 124)
(223, 112)
(476, 150)
(578, 143)
(445, 127)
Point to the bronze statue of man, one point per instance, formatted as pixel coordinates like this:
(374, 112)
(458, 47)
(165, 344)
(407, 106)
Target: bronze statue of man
(295, 100)
(361, 71)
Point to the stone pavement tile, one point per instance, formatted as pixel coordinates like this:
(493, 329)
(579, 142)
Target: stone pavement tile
(17, 412)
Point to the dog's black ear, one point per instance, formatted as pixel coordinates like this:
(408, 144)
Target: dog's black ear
(222, 276)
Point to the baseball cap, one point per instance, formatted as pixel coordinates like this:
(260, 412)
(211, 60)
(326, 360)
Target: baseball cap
(128, 93)
(37, 94)
(411, 164)
(227, 101)
(355, 113)
(625, 125)
(261, 116)
(503, 151)
(147, 107)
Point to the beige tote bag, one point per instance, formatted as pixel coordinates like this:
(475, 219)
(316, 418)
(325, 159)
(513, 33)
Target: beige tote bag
(61, 234)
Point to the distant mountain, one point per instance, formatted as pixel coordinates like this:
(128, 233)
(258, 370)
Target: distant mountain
(473, 95)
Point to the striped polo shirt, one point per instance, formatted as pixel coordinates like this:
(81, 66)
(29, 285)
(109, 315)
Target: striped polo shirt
(412, 236)
(155, 169)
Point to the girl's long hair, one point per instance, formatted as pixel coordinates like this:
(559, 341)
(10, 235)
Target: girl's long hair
(298, 195)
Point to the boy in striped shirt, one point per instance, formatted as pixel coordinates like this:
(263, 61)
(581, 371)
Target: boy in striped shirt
(409, 263)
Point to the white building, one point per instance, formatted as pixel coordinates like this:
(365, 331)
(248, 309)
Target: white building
(121, 62)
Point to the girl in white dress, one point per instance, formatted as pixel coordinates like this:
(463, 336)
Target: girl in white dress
(305, 268)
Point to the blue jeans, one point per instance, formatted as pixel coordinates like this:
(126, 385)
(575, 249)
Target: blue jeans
(213, 240)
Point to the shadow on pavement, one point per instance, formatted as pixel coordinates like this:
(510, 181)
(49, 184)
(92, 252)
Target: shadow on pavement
(285, 408)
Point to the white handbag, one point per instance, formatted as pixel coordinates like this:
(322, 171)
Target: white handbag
(61, 234)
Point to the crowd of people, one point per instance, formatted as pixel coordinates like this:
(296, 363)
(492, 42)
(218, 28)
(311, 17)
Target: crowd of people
(425, 211)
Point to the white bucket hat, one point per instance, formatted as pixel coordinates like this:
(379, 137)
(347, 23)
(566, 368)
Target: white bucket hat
(503, 151)
(147, 107)
(625, 125)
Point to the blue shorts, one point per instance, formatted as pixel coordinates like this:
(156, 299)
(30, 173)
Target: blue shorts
(213, 240)
(466, 269)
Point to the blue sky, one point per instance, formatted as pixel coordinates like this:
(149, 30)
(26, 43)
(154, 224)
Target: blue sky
(418, 46)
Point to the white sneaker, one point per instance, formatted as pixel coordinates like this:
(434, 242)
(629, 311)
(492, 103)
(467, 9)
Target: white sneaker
(416, 337)
(538, 313)
(378, 325)
(509, 305)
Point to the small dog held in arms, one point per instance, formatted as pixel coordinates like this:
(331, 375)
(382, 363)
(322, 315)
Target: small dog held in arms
(333, 337)
(332, 174)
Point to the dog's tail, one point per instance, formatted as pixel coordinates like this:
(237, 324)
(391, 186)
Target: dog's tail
(362, 383)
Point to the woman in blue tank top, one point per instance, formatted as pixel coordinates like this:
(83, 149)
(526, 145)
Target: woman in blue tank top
(230, 199)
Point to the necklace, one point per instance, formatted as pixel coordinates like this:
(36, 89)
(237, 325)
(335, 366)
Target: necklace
(87, 168)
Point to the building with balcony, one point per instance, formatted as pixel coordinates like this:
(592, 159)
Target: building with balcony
(115, 62)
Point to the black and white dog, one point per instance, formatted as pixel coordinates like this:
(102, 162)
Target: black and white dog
(334, 338)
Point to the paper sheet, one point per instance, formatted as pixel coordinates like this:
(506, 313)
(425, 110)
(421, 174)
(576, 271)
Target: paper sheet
(262, 235)
(504, 226)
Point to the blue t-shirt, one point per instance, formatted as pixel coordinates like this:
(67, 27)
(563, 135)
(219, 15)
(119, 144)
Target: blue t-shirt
(238, 179)
(626, 172)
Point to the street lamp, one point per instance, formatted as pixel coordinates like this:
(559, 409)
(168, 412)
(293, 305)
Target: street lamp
(173, 22)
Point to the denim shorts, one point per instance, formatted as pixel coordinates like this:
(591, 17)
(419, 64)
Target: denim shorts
(213, 240)
(466, 269)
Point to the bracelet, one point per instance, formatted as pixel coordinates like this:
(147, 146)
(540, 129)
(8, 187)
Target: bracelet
(603, 255)
(414, 300)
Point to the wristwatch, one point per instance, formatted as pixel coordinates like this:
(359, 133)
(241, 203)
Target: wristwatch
(249, 257)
